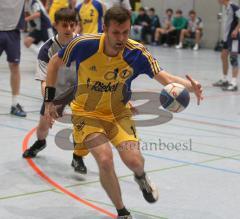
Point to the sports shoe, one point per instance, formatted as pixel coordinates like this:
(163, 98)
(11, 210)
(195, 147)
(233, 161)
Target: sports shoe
(125, 217)
(179, 46)
(221, 83)
(196, 47)
(230, 87)
(78, 164)
(148, 188)
(18, 111)
(34, 149)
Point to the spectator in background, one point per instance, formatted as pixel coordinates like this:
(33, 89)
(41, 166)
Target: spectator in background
(194, 30)
(155, 22)
(39, 22)
(143, 24)
(163, 31)
(231, 45)
(179, 22)
(11, 21)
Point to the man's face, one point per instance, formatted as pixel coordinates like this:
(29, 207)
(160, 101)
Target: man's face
(117, 34)
(141, 12)
(151, 13)
(169, 13)
(178, 14)
(192, 16)
(65, 29)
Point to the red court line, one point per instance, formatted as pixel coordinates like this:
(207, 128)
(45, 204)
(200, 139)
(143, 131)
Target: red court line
(56, 185)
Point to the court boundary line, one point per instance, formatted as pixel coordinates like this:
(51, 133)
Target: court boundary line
(55, 184)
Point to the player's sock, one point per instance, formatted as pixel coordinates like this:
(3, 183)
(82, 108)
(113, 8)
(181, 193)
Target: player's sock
(234, 81)
(14, 100)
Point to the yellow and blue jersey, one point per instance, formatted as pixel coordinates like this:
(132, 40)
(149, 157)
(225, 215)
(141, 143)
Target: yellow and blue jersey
(104, 83)
(91, 15)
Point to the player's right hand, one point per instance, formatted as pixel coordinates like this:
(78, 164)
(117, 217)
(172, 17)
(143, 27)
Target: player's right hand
(50, 113)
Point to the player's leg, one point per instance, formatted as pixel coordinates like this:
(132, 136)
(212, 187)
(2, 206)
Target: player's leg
(33, 37)
(198, 34)
(183, 33)
(60, 102)
(157, 36)
(91, 132)
(77, 161)
(223, 82)
(235, 68)
(128, 147)
(100, 147)
(130, 154)
(13, 58)
(42, 132)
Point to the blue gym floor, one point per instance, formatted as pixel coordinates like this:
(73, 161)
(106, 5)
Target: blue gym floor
(199, 181)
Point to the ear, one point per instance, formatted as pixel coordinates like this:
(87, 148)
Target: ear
(54, 24)
(104, 28)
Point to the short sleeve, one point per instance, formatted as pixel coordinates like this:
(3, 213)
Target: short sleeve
(147, 64)
(36, 7)
(141, 60)
(43, 60)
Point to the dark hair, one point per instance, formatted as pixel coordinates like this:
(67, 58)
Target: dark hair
(152, 9)
(169, 10)
(118, 14)
(192, 12)
(178, 11)
(65, 14)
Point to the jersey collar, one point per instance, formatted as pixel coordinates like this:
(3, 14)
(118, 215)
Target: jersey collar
(101, 48)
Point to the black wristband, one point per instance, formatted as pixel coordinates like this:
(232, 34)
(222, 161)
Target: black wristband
(49, 94)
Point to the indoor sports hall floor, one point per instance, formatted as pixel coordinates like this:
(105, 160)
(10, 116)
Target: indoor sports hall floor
(199, 181)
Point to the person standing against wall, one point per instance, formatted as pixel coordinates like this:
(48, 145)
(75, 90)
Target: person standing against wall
(11, 21)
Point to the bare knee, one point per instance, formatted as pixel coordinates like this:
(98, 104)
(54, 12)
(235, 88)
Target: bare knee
(184, 32)
(105, 163)
(136, 162)
(131, 155)
(198, 32)
(101, 149)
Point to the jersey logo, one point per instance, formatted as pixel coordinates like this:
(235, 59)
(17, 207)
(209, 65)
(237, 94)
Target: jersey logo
(93, 68)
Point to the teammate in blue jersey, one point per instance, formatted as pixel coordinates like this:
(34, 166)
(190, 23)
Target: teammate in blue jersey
(106, 66)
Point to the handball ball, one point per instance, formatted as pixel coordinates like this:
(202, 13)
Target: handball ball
(174, 97)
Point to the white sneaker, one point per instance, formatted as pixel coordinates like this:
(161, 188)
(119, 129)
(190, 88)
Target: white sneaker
(179, 46)
(196, 47)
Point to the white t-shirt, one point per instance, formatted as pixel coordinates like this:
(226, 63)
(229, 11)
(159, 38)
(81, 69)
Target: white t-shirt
(10, 14)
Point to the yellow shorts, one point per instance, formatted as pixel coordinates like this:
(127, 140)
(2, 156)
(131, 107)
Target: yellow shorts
(117, 131)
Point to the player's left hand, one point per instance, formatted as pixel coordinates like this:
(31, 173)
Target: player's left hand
(50, 113)
(197, 88)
